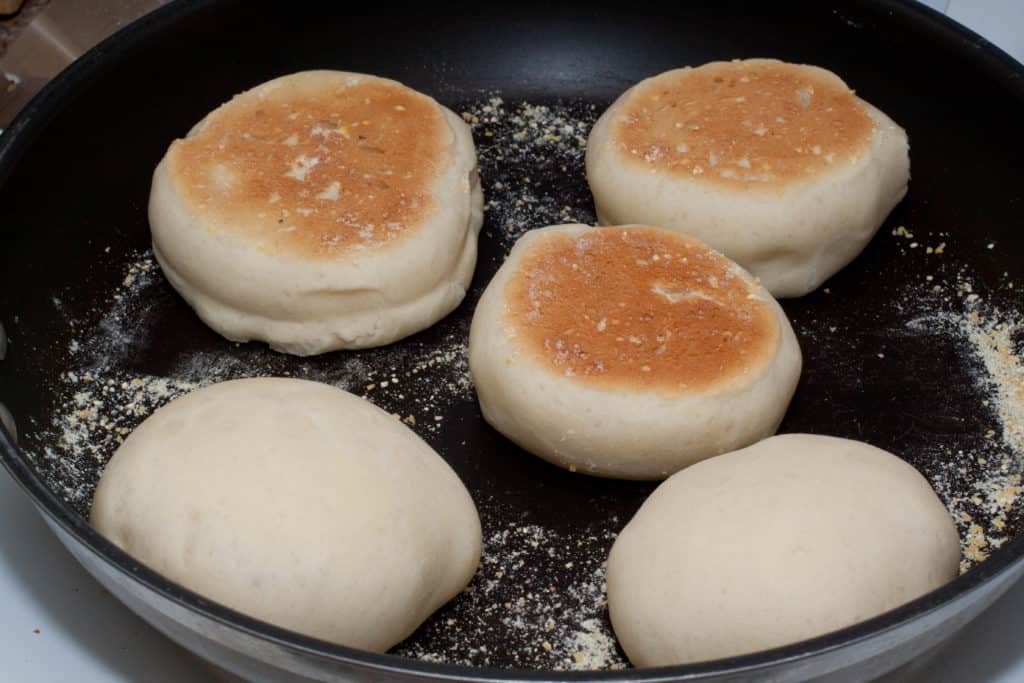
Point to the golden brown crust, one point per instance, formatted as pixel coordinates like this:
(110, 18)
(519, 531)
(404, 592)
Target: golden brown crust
(754, 123)
(638, 308)
(315, 166)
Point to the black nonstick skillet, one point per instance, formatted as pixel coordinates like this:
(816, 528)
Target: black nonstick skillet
(915, 347)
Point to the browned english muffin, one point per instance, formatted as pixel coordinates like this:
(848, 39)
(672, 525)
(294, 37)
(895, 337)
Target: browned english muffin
(629, 351)
(312, 171)
(320, 210)
(639, 309)
(758, 125)
(779, 166)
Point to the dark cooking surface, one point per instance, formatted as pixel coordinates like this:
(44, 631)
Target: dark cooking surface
(74, 216)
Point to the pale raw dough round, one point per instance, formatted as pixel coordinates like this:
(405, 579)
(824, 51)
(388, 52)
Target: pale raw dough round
(629, 351)
(296, 503)
(318, 211)
(791, 538)
(778, 166)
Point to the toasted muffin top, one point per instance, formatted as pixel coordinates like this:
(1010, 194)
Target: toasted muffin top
(752, 123)
(638, 309)
(315, 164)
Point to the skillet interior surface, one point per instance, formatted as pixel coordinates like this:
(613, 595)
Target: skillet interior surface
(914, 347)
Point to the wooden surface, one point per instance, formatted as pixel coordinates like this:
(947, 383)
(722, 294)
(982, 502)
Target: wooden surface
(10, 6)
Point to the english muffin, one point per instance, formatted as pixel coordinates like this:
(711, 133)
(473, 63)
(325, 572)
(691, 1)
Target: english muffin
(629, 351)
(322, 210)
(779, 166)
(296, 503)
(791, 538)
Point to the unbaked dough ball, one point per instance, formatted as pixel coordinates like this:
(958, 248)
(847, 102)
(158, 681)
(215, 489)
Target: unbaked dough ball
(629, 351)
(322, 210)
(791, 538)
(781, 167)
(296, 503)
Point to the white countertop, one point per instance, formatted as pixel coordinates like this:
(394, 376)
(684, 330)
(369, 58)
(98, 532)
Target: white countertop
(57, 624)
